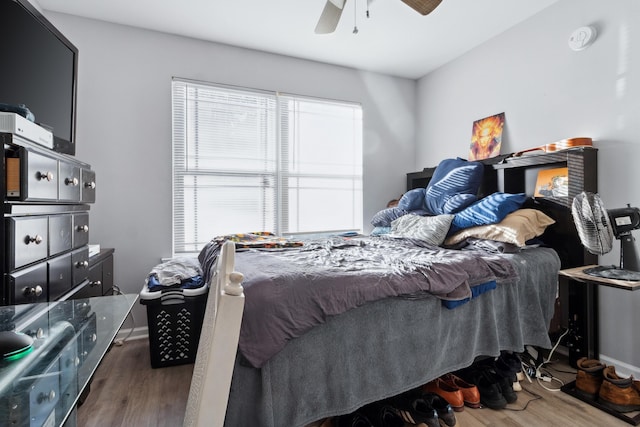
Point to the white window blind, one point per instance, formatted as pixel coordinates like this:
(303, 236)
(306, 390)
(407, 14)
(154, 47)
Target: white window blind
(248, 160)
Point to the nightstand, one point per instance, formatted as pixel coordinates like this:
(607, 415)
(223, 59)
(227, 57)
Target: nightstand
(583, 322)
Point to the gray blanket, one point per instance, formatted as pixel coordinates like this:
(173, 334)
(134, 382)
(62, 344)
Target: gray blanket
(392, 345)
(290, 291)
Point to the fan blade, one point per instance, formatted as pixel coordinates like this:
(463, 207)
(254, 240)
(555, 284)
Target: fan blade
(330, 16)
(423, 7)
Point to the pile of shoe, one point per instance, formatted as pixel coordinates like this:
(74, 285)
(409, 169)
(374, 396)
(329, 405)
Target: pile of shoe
(495, 379)
(413, 408)
(595, 380)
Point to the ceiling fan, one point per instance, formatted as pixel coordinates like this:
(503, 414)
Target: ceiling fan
(333, 10)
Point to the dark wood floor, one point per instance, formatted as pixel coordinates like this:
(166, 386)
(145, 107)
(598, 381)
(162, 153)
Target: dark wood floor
(127, 392)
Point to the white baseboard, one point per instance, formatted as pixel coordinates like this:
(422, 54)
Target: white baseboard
(622, 369)
(135, 334)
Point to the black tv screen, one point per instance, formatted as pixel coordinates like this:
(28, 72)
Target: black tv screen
(39, 67)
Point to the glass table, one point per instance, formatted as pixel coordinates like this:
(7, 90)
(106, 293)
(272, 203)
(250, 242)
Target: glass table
(70, 338)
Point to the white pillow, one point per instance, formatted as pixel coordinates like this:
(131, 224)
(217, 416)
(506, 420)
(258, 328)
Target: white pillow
(431, 229)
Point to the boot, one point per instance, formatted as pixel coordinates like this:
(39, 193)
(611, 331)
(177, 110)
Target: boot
(589, 377)
(619, 394)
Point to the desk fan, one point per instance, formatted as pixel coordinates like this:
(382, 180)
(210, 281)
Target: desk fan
(598, 226)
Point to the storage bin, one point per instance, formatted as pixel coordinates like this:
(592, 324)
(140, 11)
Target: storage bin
(175, 318)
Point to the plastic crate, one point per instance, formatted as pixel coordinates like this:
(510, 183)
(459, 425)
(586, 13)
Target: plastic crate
(175, 321)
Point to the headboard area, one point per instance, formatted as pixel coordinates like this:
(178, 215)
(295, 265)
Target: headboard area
(511, 174)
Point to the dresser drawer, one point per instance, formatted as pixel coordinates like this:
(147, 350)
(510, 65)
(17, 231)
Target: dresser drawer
(29, 285)
(80, 229)
(69, 182)
(27, 241)
(80, 265)
(88, 186)
(41, 177)
(60, 276)
(60, 234)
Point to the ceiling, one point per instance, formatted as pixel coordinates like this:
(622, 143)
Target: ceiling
(395, 40)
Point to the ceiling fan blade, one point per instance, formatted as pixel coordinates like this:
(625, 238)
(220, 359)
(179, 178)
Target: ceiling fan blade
(423, 7)
(330, 16)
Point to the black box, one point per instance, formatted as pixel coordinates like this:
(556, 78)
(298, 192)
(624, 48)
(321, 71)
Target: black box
(175, 320)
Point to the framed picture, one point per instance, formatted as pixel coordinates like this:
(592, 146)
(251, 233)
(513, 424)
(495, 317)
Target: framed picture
(486, 137)
(552, 183)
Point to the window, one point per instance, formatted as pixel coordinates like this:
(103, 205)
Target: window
(247, 160)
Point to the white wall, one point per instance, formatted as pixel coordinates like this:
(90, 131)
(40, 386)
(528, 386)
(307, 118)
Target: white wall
(124, 126)
(548, 93)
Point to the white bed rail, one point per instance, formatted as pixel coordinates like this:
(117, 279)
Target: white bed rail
(213, 370)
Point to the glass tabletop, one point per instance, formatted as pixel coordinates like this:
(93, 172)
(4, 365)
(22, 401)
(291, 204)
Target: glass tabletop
(70, 338)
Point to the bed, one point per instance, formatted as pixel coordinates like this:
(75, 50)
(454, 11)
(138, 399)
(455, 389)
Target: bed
(315, 358)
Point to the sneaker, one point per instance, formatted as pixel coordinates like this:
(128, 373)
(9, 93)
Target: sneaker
(510, 362)
(352, 420)
(589, 377)
(414, 409)
(490, 393)
(619, 394)
(446, 416)
(506, 387)
(502, 374)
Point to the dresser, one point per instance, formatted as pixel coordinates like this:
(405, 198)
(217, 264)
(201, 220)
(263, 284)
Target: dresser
(45, 229)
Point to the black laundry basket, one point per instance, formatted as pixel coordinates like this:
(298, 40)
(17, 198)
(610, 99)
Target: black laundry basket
(175, 321)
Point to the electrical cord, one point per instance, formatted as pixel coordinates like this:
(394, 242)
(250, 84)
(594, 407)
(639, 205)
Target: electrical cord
(531, 370)
(120, 342)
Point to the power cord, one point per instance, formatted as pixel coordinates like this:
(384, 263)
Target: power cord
(120, 342)
(530, 368)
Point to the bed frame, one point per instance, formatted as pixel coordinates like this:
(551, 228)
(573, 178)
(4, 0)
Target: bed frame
(211, 380)
(215, 365)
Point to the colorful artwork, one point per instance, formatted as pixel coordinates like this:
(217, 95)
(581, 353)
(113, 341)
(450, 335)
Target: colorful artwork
(552, 183)
(486, 137)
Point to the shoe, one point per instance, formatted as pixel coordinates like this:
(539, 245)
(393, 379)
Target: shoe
(470, 393)
(446, 416)
(490, 393)
(352, 420)
(450, 393)
(589, 377)
(510, 362)
(382, 414)
(619, 394)
(503, 374)
(506, 387)
(414, 409)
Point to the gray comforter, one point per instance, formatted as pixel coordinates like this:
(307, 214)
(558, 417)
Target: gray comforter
(289, 291)
(389, 346)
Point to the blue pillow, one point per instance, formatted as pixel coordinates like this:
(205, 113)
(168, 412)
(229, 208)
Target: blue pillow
(412, 200)
(453, 187)
(490, 210)
(385, 216)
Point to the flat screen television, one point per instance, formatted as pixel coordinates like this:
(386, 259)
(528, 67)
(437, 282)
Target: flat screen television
(38, 69)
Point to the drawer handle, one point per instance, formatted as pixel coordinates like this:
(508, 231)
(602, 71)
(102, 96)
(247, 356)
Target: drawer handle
(82, 264)
(84, 228)
(37, 239)
(45, 175)
(96, 283)
(46, 397)
(71, 181)
(91, 184)
(33, 291)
